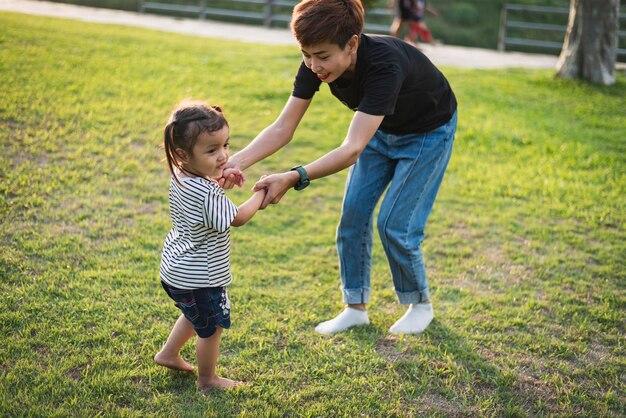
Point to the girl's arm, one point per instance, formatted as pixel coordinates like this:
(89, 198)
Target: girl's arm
(270, 140)
(247, 209)
(362, 129)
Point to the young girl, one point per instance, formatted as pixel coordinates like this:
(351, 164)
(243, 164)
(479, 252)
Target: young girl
(398, 145)
(195, 265)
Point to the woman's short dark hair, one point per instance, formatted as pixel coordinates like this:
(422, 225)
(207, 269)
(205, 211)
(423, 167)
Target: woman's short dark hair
(336, 21)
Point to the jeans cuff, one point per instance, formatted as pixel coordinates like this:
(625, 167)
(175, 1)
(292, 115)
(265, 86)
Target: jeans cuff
(354, 296)
(406, 298)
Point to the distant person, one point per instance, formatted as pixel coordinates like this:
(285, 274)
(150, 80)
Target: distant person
(411, 13)
(398, 144)
(195, 265)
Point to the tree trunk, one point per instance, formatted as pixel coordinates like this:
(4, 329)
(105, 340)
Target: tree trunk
(590, 48)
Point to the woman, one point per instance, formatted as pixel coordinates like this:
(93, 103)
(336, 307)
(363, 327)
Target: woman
(401, 136)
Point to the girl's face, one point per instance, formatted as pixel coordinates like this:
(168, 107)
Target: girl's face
(328, 61)
(210, 154)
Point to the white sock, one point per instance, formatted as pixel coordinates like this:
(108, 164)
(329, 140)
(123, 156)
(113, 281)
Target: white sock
(350, 317)
(415, 320)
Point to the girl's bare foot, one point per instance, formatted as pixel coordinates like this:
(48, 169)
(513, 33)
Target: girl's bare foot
(174, 363)
(216, 382)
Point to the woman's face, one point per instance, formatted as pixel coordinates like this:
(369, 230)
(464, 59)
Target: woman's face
(328, 61)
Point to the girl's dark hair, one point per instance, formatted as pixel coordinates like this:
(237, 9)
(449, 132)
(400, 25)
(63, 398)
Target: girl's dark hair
(336, 21)
(188, 120)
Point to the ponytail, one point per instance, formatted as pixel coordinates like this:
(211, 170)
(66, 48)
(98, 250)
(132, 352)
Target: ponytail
(170, 149)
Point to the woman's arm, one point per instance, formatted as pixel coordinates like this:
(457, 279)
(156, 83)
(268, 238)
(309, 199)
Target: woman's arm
(270, 140)
(362, 129)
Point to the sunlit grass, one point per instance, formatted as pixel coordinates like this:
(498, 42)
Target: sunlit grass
(524, 247)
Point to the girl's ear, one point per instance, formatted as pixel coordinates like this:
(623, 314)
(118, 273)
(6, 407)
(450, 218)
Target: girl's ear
(182, 154)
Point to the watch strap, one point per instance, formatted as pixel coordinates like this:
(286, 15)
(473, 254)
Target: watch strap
(304, 180)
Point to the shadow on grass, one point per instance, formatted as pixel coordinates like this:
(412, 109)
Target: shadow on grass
(184, 395)
(179, 382)
(445, 374)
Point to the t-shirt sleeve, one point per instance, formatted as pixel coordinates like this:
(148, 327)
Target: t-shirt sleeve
(382, 86)
(220, 210)
(306, 83)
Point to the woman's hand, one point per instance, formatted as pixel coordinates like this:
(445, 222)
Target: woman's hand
(231, 176)
(276, 185)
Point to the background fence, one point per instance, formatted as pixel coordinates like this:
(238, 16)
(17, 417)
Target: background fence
(542, 28)
(266, 12)
(527, 28)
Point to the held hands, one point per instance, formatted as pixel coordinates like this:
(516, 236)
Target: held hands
(275, 185)
(231, 177)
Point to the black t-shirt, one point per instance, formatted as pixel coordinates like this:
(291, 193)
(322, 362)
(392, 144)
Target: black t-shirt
(391, 78)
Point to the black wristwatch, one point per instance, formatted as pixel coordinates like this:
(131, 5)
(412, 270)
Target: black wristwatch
(304, 178)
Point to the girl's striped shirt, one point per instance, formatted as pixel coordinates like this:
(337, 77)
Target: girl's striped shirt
(196, 252)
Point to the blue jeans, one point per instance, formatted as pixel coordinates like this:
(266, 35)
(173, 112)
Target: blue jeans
(413, 167)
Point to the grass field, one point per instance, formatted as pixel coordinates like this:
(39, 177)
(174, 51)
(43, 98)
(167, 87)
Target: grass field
(525, 247)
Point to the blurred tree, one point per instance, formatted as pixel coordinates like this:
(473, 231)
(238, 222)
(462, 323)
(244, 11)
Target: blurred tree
(590, 48)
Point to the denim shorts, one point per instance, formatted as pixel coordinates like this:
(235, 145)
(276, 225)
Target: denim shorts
(205, 308)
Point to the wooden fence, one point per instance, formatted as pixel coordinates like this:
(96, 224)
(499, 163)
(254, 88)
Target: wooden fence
(266, 12)
(534, 34)
(520, 25)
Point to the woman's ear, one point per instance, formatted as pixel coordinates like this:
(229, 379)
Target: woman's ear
(353, 43)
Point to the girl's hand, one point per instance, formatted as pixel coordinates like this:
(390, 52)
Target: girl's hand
(276, 185)
(231, 176)
(262, 189)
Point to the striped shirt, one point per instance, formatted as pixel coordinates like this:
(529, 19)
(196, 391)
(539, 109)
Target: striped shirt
(196, 252)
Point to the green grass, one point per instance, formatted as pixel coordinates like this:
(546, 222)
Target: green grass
(525, 247)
